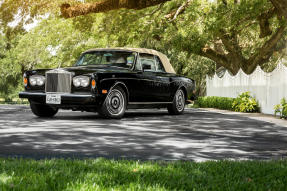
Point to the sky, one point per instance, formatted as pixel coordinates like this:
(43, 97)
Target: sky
(31, 25)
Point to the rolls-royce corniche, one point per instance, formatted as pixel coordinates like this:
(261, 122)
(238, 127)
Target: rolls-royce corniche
(109, 81)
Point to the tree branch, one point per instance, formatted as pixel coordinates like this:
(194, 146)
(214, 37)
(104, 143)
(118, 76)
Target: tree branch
(263, 53)
(180, 10)
(263, 19)
(215, 56)
(281, 7)
(154, 11)
(69, 11)
(230, 43)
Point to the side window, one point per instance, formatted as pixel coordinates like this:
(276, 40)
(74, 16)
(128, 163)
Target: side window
(138, 65)
(159, 65)
(148, 61)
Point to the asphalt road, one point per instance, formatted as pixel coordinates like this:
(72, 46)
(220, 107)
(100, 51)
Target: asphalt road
(143, 135)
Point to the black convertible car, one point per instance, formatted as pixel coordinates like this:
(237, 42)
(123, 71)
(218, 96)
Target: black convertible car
(109, 81)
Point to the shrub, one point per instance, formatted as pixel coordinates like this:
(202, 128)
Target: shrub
(13, 101)
(245, 103)
(281, 109)
(215, 102)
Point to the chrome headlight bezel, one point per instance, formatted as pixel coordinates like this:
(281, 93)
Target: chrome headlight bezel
(81, 81)
(37, 80)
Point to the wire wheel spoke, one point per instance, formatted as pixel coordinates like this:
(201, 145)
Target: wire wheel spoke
(179, 100)
(115, 102)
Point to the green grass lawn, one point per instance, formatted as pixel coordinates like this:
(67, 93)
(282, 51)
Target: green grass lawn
(103, 174)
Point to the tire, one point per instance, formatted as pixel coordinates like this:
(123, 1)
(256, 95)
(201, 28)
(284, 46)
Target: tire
(43, 110)
(178, 103)
(115, 104)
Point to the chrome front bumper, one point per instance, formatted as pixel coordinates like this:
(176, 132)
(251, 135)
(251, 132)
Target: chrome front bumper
(67, 98)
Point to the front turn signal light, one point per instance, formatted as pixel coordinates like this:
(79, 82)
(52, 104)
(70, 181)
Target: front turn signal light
(93, 84)
(25, 80)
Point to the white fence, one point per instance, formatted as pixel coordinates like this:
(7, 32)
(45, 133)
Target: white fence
(268, 88)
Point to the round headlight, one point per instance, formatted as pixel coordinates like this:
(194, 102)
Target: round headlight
(40, 80)
(76, 82)
(37, 80)
(85, 82)
(32, 81)
(82, 81)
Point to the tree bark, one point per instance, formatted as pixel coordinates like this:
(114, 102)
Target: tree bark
(281, 7)
(69, 11)
(265, 29)
(233, 60)
(264, 53)
(107, 5)
(220, 59)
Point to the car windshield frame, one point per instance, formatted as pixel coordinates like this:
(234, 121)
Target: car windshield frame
(121, 56)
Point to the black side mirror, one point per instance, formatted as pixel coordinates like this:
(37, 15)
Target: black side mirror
(146, 67)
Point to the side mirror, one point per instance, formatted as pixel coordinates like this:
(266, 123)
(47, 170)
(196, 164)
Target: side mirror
(146, 67)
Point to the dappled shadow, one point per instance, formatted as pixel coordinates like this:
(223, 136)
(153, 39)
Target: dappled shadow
(143, 135)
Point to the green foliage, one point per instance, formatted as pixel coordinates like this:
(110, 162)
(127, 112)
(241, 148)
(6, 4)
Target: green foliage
(102, 174)
(277, 109)
(245, 103)
(224, 103)
(13, 101)
(56, 41)
(281, 109)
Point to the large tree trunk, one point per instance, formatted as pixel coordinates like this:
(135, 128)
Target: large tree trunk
(106, 5)
(281, 6)
(233, 60)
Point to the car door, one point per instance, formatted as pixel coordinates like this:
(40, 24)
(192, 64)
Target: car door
(154, 83)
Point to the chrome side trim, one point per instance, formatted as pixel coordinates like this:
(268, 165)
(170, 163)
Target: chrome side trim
(148, 103)
(134, 79)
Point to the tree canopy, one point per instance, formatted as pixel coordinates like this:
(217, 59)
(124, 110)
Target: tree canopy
(226, 49)
(198, 36)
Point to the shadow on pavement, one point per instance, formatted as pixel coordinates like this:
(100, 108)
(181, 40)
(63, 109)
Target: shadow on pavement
(142, 135)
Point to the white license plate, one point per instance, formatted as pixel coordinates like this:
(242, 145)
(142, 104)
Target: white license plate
(53, 99)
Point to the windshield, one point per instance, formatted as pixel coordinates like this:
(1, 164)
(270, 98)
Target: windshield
(109, 58)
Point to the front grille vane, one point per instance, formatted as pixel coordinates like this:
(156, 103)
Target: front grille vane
(58, 81)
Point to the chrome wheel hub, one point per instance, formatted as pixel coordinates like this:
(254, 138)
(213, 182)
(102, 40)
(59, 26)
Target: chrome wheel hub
(180, 100)
(115, 102)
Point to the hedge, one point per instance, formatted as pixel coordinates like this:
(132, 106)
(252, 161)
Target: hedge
(243, 103)
(224, 103)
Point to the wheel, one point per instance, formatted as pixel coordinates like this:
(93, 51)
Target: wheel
(178, 104)
(115, 104)
(43, 110)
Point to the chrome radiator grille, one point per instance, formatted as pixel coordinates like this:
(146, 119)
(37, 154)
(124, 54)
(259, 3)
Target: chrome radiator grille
(58, 81)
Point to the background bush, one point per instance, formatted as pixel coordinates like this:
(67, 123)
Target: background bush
(215, 102)
(243, 103)
(13, 101)
(281, 109)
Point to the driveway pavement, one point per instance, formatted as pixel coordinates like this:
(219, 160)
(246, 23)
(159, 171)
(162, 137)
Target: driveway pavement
(143, 135)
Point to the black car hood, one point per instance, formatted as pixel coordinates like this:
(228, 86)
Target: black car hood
(80, 70)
